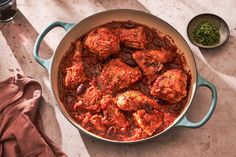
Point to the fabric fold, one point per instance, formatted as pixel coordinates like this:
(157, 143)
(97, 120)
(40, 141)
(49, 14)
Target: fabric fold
(20, 129)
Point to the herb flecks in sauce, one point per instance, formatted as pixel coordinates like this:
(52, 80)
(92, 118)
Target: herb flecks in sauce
(206, 33)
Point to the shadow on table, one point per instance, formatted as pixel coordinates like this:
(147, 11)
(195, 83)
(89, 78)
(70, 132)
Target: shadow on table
(66, 6)
(222, 59)
(100, 148)
(50, 124)
(122, 4)
(20, 36)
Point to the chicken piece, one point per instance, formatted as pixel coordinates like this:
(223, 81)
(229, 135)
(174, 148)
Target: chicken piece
(75, 74)
(102, 42)
(135, 100)
(148, 122)
(96, 120)
(78, 52)
(151, 61)
(90, 100)
(170, 86)
(148, 57)
(112, 115)
(91, 122)
(116, 76)
(134, 38)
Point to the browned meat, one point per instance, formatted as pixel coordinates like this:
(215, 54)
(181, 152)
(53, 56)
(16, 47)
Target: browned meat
(147, 57)
(135, 100)
(75, 74)
(148, 122)
(90, 100)
(116, 76)
(96, 120)
(112, 115)
(91, 122)
(78, 52)
(151, 61)
(135, 37)
(170, 86)
(102, 42)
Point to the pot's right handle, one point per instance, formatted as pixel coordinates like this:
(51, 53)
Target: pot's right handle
(46, 62)
(184, 122)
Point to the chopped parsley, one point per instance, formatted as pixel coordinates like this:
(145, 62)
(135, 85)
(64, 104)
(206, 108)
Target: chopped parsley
(206, 33)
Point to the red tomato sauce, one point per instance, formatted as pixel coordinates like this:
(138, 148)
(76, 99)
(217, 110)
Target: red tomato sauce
(97, 104)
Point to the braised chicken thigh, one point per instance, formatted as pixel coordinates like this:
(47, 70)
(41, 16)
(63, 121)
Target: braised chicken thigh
(90, 100)
(102, 42)
(75, 74)
(135, 100)
(112, 115)
(151, 61)
(134, 38)
(116, 75)
(170, 86)
(148, 122)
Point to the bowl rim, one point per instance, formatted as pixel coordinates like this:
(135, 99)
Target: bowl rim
(203, 46)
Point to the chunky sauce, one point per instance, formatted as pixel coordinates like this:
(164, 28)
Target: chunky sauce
(93, 66)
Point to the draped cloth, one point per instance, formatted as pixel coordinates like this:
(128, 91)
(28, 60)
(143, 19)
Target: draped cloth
(20, 121)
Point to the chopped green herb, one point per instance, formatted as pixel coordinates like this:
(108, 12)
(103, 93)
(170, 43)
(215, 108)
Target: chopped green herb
(206, 33)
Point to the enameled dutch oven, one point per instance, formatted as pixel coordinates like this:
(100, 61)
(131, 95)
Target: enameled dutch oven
(74, 31)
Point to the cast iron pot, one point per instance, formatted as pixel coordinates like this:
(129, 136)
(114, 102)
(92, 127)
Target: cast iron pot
(74, 31)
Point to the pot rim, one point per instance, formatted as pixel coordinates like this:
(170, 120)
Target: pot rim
(181, 115)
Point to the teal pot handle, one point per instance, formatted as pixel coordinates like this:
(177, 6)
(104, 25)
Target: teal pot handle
(46, 62)
(184, 122)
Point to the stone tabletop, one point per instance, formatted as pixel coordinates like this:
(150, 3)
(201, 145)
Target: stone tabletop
(216, 138)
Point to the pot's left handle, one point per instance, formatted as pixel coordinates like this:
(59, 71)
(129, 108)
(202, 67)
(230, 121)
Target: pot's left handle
(46, 62)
